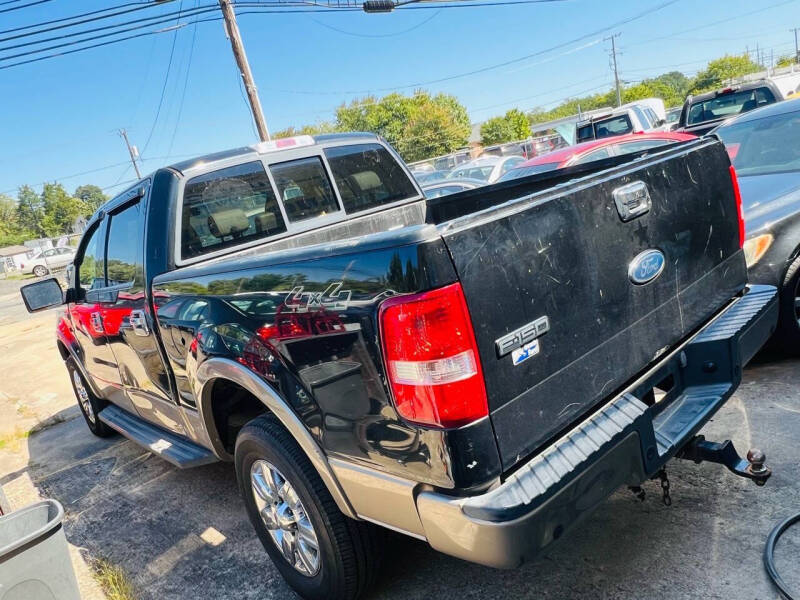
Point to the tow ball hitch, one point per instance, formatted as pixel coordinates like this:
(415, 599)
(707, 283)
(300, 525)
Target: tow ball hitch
(699, 449)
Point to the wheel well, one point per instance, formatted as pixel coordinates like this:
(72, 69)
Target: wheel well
(232, 407)
(62, 350)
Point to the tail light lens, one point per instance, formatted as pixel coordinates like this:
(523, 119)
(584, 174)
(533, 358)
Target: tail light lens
(432, 359)
(738, 195)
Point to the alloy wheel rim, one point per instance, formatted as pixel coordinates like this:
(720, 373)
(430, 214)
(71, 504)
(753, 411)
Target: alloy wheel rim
(83, 396)
(285, 517)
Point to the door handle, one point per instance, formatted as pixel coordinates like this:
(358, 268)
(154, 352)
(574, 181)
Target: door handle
(139, 323)
(96, 319)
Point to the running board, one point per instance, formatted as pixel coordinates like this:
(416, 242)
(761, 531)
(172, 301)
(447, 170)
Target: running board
(171, 447)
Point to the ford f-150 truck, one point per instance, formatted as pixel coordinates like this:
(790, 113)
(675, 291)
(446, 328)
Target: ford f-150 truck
(479, 370)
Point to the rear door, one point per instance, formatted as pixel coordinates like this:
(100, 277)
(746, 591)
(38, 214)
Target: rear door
(129, 322)
(565, 257)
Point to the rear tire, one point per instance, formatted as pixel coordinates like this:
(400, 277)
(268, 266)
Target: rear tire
(40, 271)
(89, 404)
(788, 333)
(348, 552)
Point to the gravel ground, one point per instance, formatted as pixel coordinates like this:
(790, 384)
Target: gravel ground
(183, 534)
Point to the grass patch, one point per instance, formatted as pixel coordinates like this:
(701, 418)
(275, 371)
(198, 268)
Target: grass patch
(13, 440)
(19, 276)
(113, 580)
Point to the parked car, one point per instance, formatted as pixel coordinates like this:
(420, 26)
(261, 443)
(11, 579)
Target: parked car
(673, 116)
(423, 177)
(48, 260)
(764, 146)
(486, 168)
(701, 113)
(595, 150)
(635, 117)
(477, 370)
(450, 186)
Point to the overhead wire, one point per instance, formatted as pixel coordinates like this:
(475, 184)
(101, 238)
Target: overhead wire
(163, 90)
(185, 85)
(5, 10)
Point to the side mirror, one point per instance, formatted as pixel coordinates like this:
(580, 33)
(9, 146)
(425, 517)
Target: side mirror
(42, 295)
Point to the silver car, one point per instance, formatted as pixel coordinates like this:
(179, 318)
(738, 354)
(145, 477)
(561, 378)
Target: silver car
(48, 260)
(486, 168)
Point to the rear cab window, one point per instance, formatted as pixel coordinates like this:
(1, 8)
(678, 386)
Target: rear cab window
(368, 176)
(276, 195)
(227, 207)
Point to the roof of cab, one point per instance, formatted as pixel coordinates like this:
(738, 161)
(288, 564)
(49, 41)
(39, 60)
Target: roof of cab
(326, 138)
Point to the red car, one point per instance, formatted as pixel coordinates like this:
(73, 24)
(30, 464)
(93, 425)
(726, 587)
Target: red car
(595, 150)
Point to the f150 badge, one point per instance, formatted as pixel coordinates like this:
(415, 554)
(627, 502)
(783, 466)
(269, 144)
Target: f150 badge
(522, 342)
(646, 266)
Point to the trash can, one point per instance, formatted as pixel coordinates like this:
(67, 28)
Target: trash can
(34, 556)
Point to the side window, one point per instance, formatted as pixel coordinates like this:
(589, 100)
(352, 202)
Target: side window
(49, 253)
(90, 268)
(228, 207)
(642, 116)
(594, 155)
(368, 176)
(304, 188)
(764, 96)
(124, 253)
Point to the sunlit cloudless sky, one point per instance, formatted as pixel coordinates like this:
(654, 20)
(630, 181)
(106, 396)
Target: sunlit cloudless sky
(59, 117)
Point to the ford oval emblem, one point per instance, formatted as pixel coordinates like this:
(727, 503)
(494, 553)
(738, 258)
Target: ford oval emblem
(646, 266)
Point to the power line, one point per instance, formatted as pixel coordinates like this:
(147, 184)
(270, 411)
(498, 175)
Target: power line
(494, 66)
(726, 20)
(377, 35)
(5, 10)
(138, 6)
(183, 93)
(163, 89)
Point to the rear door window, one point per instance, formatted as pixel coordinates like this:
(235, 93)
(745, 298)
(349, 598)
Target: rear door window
(304, 188)
(228, 207)
(368, 176)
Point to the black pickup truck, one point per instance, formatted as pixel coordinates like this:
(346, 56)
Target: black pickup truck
(478, 371)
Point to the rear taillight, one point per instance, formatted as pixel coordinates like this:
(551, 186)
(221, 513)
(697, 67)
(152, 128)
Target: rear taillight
(738, 195)
(431, 358)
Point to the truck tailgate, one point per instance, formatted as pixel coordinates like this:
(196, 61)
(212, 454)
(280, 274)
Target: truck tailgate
(565, 253)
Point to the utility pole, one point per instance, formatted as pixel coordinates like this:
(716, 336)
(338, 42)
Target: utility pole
(796, 47)
(241, 60)
(616, 72)
(132, 151)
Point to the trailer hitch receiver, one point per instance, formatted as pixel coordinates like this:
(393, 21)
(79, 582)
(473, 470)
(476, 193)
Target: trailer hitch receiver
(699, 449)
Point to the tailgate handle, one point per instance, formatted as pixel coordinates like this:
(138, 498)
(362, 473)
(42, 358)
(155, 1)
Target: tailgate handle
(632, 200)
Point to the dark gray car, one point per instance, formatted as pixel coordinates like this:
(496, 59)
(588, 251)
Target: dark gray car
(764, 146)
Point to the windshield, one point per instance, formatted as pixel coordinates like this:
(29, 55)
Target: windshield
(531, 170)
(768, 145)
(727, 105)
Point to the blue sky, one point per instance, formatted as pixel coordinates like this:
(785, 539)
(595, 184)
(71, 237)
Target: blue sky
(58, 117)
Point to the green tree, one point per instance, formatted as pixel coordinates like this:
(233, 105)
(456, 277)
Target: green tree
(786, 61)
(510, 127)
(721, 71)
(316, 129)
(10, 231)
(419, 126)
(92, 196)
(60, 209)
(30, 211)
